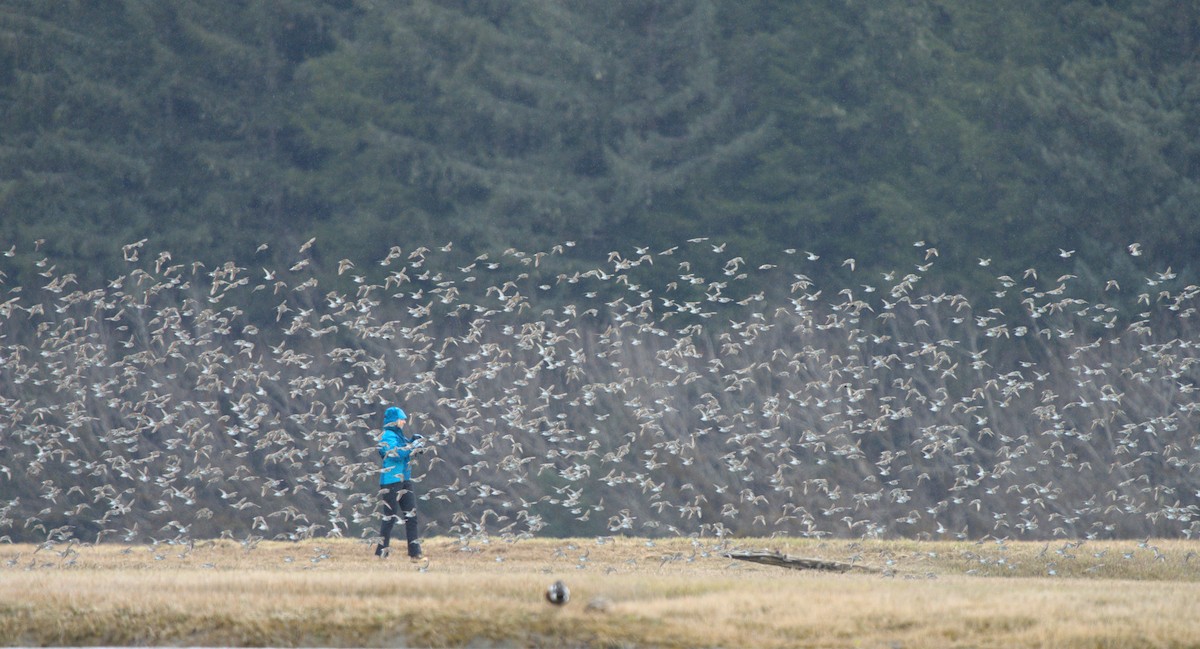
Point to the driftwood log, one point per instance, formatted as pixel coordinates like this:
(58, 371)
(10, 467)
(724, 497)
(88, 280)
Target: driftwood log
(796, 563)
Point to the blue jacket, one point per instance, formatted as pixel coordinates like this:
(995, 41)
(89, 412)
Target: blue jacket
(395, 449)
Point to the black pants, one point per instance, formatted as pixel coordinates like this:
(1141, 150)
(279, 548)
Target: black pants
(399, 501)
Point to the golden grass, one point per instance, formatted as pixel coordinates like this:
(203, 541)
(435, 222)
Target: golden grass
(625, 592)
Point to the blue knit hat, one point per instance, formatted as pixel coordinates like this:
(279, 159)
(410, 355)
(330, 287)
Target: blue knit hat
(392, 415)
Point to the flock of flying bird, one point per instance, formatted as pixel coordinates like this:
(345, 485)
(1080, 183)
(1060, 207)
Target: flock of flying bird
(654, 392)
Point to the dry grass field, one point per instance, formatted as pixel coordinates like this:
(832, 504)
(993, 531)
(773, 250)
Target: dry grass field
(624, 593)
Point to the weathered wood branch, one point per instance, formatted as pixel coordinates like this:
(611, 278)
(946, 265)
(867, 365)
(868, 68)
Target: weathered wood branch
(796, 563)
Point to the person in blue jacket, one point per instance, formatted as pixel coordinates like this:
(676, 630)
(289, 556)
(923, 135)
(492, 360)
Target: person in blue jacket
(395, 481)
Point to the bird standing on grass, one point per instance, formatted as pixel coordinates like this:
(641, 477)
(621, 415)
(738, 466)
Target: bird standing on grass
(558, 593)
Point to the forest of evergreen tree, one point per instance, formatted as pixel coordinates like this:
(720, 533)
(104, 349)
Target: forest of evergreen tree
(1006, 130)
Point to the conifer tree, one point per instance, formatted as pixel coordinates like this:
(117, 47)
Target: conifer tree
(153, 120)
(1116, 131)
(521, 119)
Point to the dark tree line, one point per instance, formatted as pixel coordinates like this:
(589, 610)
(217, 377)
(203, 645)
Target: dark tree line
(1008, 130)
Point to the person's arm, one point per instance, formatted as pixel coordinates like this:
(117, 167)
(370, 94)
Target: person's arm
(396, 445)
(405, 446)
(389, 445)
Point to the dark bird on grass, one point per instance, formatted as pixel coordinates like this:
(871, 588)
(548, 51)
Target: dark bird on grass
(558, 593)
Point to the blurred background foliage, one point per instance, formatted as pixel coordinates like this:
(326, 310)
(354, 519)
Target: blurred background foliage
(1007, 130)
